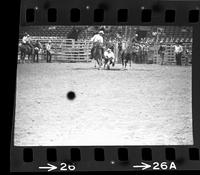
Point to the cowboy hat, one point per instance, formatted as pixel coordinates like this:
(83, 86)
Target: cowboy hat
(101, 32)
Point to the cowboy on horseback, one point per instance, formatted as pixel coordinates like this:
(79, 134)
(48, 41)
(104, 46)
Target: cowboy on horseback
(97, 40)
(26, 40)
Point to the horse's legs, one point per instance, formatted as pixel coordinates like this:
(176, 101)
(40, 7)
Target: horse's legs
(105, 63)
(95, 62)
(47, 57)
(50, 57)
(21, 57)
(99, 63)
(34, 58)
(162, 59)
(109, 63)
(126, 61)
(122, 63)
(24, 57)
(28, 58)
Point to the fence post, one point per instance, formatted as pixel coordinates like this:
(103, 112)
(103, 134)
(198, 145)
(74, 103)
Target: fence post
(116, 51)
(87, 50)
(73, 42)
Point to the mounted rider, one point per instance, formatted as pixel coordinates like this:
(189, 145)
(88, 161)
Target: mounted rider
(97, 40)
(26, 40)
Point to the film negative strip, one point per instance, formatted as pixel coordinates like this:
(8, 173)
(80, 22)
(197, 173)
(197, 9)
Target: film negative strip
(107, 86)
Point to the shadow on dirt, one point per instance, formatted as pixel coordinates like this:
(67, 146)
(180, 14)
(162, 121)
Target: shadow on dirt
(142, 69)
(112, 69)
(92, 68)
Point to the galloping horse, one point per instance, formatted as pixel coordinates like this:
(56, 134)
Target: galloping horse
(98, 55)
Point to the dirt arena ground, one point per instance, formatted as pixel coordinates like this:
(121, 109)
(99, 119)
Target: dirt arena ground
(144, 105)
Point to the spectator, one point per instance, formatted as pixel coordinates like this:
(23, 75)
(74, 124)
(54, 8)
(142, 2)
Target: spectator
(38, 47)
(178, 49)
(49, 51)
(161, 52)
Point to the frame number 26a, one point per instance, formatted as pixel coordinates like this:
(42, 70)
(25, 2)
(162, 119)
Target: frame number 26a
(164, 166)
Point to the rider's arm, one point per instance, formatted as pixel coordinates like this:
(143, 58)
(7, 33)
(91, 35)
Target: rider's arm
(181, 49)
(105, 54)
(101, 39)
(92, 39)
(112, 55)
(24, 39)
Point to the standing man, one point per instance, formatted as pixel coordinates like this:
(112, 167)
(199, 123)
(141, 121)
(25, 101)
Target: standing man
(38, 47)
(178, 49)
(186, 55)
(161, 52)
(48, 49)
(141, 52)
(146, 49)
(97, 40)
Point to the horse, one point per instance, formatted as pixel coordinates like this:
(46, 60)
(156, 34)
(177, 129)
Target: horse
(136, 53)
(127, 56)
(37, 49)
(25, 49)
(98, 55)
(36, 54)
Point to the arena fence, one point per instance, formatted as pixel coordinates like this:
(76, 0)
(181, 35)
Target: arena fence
(66, 49)
(69, 50)
(169, 57)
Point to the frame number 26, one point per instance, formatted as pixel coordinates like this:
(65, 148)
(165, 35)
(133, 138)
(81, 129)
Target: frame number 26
(65, 167)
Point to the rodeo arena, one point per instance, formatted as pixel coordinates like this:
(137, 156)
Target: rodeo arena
(131, 85)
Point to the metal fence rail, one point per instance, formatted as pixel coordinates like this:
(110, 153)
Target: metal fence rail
(64, 49)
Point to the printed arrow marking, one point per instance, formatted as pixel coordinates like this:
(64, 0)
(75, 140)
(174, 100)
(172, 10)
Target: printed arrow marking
(49, 167)
(144, 166)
